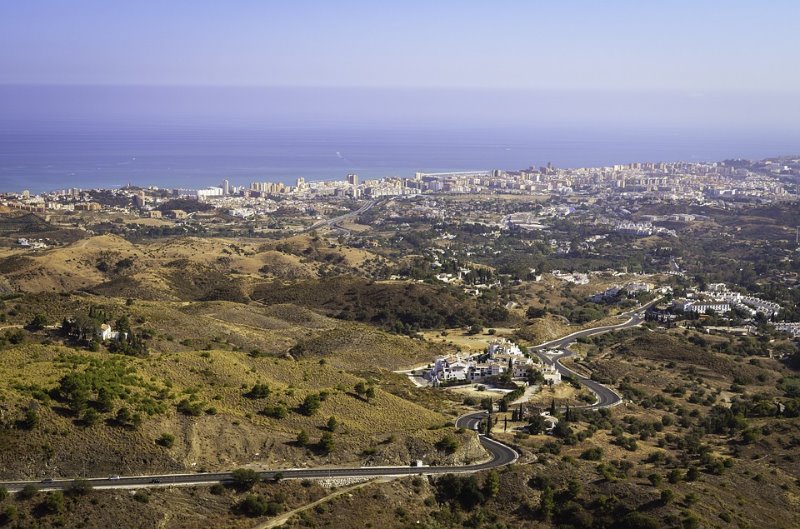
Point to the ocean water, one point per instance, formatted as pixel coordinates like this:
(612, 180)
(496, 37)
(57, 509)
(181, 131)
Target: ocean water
(106, 138)
(87, 156)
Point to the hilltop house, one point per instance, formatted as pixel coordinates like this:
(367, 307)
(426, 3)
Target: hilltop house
(107, 333)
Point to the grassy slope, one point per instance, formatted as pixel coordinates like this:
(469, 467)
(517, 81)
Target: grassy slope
(200, 351)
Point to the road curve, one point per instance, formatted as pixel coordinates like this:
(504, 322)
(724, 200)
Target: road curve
(500, 455)
(330, 222)
(606, 397)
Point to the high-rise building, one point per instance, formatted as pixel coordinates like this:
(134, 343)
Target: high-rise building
(352, 179)
(139, 199)
(226, 187)
(300, 182)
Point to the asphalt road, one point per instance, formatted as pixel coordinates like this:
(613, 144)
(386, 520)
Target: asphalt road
(330, 222)
(606, 397)
(500, 455)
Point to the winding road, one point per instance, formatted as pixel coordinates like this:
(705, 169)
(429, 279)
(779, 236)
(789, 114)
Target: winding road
(606, 397)
(500, 455)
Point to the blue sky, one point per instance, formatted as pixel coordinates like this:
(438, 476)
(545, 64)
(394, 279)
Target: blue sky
(692, 47)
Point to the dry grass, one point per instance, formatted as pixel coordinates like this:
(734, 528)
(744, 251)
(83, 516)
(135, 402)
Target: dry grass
(459, 338)
(214, 369)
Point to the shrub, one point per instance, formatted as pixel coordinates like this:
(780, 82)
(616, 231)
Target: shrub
(30, 420)
(592, 454)
(244, 478)
(27, 492)
(635, 520)
(326, 444)
(259, 391)
(276, 412)
(217, 489)
(574, 489)
(141, 496)
(302, 438)
(674, 476)
(8, 515)
(90, 417)
(79, 487)
(38, 323)
(310, 404)
(667, 496)
(655, 479)
(491, 486)
(53, 502)
(124, 416)
(193, 409)
(257, 505)
(167, 440)
(448, 444)
(463, 490)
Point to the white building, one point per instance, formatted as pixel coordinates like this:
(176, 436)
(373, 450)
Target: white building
(107, 333)
(551, 375)
(503, 346)
(702, 307)
(501, 356)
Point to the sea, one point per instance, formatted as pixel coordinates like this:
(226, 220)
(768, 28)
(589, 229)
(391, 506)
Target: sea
(49, 146)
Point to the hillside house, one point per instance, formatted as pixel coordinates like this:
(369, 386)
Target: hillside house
(107, 333)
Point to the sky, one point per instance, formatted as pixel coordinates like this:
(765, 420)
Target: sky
(697, 60)
(700, 45)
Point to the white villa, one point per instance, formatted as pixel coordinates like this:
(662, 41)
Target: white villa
(722, 300)
(107, 333)
(701, 307)
(551, 375)
(500, 356)
(749, 304)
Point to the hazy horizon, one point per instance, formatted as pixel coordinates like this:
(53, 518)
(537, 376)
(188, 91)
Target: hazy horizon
(87, 85)
(299, 106)
(619, 45)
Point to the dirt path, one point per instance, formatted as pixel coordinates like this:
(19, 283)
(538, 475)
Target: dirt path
(526, 395)
(283, 518)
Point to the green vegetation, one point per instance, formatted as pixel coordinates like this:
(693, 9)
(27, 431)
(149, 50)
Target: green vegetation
(257, 505)
(402, 308)
(244, 478)
(167, 440)
(259, 391)
(448, 444)
(311, 404)
(286, 346)
(326, 443)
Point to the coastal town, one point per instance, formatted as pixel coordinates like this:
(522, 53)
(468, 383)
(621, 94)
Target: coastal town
(546, 314)
(766, 180)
